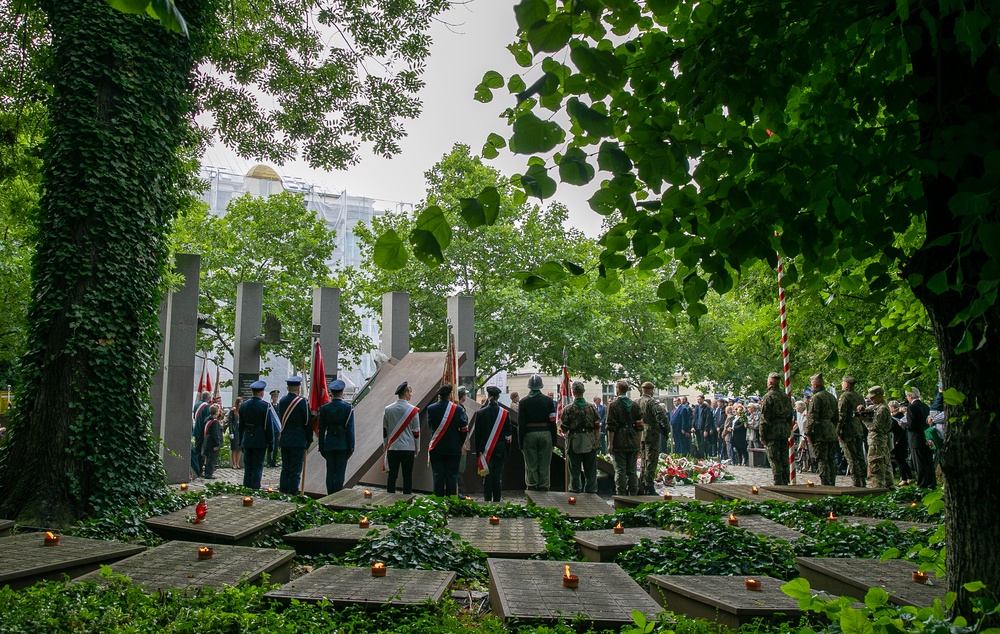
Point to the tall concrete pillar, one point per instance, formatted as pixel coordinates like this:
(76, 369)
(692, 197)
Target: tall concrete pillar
(396, 325)
(326, 324)
(180, 347)
(156, 389)
(461, 316)
(246, 349)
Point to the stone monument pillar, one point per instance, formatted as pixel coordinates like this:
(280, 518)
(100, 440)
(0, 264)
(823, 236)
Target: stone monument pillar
(177, 391)
(395, 325)
(326, 327)
(461, 316)
(246, 349)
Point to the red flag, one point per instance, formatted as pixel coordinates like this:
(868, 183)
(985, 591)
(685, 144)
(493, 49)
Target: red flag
(216, 395)
(318, 393)
(563, 395)
(204, 382)
(450, 374)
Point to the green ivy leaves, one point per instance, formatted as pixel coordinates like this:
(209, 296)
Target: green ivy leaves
(163, 10)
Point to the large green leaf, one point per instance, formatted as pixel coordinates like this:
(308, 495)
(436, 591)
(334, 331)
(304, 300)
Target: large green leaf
(574, 168)
(537, 182)
(472, 212)
(433, 220)
(535, 136)
(489, 198)
(591, 121)
(426, 247)
(551, 36)
(529, 12)
(168, 13)
(390, 252)
(129, 6)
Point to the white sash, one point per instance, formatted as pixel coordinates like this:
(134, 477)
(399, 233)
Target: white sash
(491, 442)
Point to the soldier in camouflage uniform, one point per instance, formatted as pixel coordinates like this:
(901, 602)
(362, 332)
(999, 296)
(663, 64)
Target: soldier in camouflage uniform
(850, 430)
(649, 449)
(582, 427)
(821, 429)
(775, 427)
(878, 420)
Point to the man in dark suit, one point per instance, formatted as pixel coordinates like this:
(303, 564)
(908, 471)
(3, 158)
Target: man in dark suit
(916, 422)
(255, 434)
(449, 427)
(296, 434)
(336, 436)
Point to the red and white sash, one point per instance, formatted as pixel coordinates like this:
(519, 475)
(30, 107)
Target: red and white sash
(491, 442)
(449, 413)
(288, 412)
(396, 433)
(197, 412)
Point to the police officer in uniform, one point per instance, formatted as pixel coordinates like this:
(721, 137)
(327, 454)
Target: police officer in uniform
(775, 427)
(336, 436)
(255, 434)
(850, 430)
(296, 435)
(821, 429)
(492, 430)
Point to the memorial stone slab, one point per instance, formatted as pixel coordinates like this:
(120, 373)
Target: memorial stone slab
(764, 527)
(533, 591)
(632, 501)
(853, 578)
(5, 526)
(874, 521)
(345, 585)
(713, 492)
(25, 559)
(805, 492)
(175, 565)
(227, 521)
(724, 599)
(329, 539)
(512, 538)
(355, 500)
(587, 504)
(605, 544)
(189, 488)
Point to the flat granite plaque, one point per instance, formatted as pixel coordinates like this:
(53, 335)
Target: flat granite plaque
(587, 504)
(25, 559)
(175, 565)
(346, 585)
(533, 591)
(760, 525)
(853, 578)
(713, 492)
(355, 500)
(632, 501)
(227, 521)
(724, 599)
(874, 521)
(5, 526)
(805, 492)
(329, 539)
(605, 544)
(512, 538)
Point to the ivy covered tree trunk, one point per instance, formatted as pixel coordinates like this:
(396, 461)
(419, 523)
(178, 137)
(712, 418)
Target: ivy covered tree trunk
(81, 440)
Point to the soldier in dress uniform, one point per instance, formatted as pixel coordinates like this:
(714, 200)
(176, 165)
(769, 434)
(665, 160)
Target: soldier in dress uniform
(775, 427)
(296, 435)
(336, 436)
(649, 447)
(821, 429)
(492, 430)
(255, 434)
(851, 431)
(878, 420)
(271, 456)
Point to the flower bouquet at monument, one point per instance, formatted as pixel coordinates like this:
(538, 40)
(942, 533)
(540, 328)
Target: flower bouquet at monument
(672, 470)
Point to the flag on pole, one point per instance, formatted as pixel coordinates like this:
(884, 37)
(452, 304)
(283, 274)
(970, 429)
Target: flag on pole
(450, 373)
(564, 398)
(205, 382)
(318, 393)
(787, 368)
(216, 395)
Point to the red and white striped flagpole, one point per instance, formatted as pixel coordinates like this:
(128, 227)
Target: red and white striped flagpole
(787, 368)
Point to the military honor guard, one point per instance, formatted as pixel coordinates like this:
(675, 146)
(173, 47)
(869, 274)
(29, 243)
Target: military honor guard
(492, 441)
(336, 436)
(821, 429)
(449, 427)
(401, 439)
(776, 415)
(255, 434)
(296, 435)
(850, 430)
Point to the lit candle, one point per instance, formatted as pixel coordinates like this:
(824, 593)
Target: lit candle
(368, 494)
(570, 580)
(364, 523)
(831, 518)
(913, 504)
(733, 521)
(919, 577)
(619, 529)
(572, 500)
(667, 496)
(752, 584)
(378, 569)
(204, 552)
(270, 489)
(754, 490)
(184, 486)
(51, 539)
(809, 483)
(494, 520)
(201, 509)
(247, 501)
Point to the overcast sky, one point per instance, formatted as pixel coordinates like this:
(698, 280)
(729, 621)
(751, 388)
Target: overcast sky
(460, 55)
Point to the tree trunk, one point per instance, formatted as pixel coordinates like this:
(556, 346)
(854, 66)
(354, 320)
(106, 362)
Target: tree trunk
(81, 439)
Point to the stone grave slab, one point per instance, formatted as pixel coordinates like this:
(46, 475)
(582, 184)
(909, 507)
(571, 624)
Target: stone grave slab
(713, 492)
(724, 599)
(587, 504)
(329, 539)
(632, 501)
(355, 500)
(874, 521)
(533, 591)
(5, 526)
(227, 521)
(175, 565)
(804, 492)
(25, 560)
(761, 525)
(346, 585)
(604, 544)
(512, 538)
(853, 578)
(190, 488)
